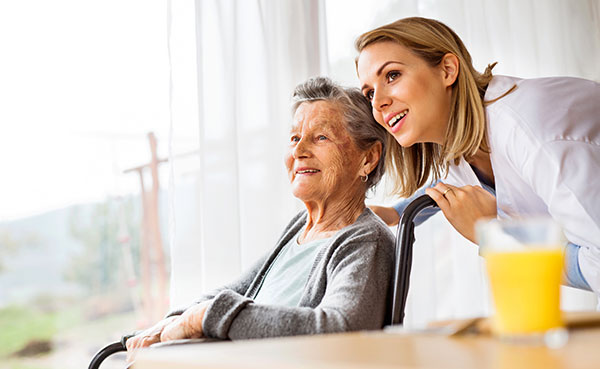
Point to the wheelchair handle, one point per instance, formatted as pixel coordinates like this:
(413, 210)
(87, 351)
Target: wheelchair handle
(108, 350)
(405, 238)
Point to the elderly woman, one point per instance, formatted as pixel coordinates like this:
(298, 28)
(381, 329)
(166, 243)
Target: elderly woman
(330, 270)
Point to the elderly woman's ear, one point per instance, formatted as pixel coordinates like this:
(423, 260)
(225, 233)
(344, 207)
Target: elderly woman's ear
(371, 158)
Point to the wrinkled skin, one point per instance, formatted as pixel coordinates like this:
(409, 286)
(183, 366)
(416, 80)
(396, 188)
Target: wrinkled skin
(186, 325)
(333, 192)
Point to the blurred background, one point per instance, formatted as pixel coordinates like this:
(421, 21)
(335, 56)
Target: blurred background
(141, 150)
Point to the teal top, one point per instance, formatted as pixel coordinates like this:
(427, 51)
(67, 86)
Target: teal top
(284, 283)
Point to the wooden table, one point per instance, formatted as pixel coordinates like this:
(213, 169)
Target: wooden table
(378, 350)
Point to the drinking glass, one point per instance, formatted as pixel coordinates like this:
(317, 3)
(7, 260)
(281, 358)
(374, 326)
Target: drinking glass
(524, 259)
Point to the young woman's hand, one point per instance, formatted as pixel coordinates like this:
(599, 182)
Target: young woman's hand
(463, 206)
(388, 214)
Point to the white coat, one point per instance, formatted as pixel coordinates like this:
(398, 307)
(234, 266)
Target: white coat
(544, 139)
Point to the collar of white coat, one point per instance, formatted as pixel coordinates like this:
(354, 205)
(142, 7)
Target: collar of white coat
(500, 85)
(461, 174)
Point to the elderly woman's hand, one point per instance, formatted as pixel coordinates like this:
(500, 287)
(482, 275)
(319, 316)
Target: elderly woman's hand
(146, 337)
(463, 206)
(187, 325)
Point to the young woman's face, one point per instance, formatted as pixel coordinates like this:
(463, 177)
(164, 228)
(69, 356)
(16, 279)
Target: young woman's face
(410, 98)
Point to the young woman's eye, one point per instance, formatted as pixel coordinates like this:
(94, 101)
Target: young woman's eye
(369, 95)
(392, 75)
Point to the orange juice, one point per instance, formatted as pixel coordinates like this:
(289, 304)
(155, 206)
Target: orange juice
(526, 289)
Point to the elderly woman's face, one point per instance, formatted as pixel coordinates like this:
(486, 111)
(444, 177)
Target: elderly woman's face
(322, 160)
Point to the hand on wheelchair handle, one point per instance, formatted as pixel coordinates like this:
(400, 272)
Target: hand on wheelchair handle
(463, 206)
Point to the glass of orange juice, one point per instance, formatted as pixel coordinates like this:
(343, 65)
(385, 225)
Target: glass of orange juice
(524, 259)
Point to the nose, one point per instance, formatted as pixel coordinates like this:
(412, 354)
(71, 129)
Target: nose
(302, 148)
(381, 99)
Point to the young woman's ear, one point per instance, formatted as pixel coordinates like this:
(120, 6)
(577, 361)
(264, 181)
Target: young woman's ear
(449, 67)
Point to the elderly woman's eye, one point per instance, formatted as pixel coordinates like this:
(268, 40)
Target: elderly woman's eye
(321, 137)
(294, 139)
(392, 75)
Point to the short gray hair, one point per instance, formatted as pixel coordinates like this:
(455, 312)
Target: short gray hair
(356, 109)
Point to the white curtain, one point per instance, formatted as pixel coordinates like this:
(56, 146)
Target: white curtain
(250, 55)
(529, 38)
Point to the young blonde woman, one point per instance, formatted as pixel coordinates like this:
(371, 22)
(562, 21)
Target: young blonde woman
(533, 144)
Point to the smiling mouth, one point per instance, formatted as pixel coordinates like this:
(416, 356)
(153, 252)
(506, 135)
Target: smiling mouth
(397, 118)
(307, 171)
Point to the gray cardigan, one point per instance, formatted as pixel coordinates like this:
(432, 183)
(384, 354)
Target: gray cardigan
(347, 288)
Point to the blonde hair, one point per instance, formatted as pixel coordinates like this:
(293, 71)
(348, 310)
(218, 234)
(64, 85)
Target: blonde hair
(409, 168)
